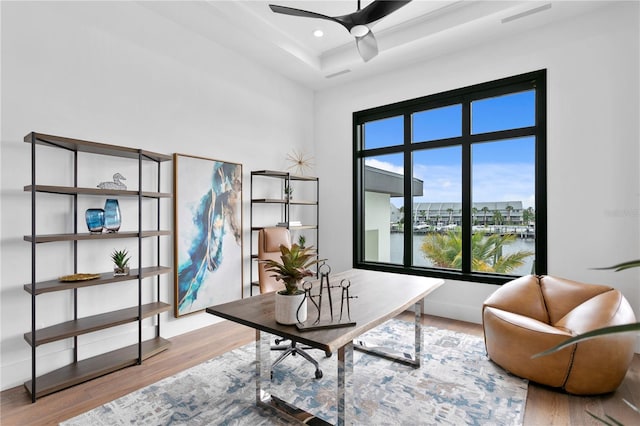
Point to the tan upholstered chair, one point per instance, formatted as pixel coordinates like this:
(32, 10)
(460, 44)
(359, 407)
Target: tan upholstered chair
(269, 241)
(534, 313)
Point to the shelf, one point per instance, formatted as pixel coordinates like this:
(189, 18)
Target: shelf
(300, 227)
(70, 190)
(105, 278)
(78, 145)
(93, 323)
(269, 201)
(87, 236)
(136, 312)
(282, 175)
(280, 201)
(90, 368)
(260, 197)
(303, 203)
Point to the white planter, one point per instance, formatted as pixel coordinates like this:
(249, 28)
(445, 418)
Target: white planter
(287, 307)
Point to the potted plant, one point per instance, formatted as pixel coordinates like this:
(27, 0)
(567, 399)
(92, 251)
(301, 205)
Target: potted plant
(120, 259)
(288, 193)
(291, 269)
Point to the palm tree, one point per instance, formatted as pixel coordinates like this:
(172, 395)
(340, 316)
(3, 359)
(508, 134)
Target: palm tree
(497, 217)
(450, 211)
(509, 209)
(485, 210)
(474, 212)
(445, 251)
(528, 215)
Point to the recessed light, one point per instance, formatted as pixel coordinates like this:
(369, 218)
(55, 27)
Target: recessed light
(318, 33)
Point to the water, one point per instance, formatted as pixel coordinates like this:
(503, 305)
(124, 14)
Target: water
(520, 244)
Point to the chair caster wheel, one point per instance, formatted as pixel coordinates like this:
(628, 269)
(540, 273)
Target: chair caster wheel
(318, 374)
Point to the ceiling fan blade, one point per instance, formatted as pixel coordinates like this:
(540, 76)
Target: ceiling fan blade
(298, 12)
(377, 10)
(367, 46)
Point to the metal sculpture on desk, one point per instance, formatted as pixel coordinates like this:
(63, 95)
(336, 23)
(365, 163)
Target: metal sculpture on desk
(345, 284)
(318, 323)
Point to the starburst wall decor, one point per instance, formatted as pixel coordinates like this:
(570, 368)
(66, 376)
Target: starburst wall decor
(300, 162)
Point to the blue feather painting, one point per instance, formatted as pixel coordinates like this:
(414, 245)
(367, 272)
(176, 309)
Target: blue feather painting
(208, 245)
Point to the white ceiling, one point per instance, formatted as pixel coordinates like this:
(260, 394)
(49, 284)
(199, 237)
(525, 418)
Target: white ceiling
(420, 31)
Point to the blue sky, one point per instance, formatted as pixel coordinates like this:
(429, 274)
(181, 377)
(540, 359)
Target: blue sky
(502, 170)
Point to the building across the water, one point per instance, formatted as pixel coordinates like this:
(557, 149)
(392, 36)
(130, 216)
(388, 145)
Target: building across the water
(490, 213)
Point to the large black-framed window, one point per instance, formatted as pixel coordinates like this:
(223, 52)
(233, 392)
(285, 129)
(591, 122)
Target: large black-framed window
(453, 185)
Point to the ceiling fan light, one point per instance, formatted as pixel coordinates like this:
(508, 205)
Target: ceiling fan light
(359, 30)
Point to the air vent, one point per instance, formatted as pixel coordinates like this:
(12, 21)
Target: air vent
(335, 74)
(526, 13)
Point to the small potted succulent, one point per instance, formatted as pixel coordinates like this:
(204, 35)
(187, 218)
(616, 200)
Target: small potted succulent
(291, 269)
(288, 193)
(120, 260)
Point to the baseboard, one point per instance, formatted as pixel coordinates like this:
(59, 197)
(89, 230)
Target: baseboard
(453, 311)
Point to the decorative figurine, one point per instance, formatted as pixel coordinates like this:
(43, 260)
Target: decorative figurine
(300, 162)
(115, 184)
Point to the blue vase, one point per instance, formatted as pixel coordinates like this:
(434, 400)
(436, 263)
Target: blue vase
(95, 220)
(111, 215)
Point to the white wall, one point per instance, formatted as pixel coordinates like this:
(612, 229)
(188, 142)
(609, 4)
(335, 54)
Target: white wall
(593, 144)
(377, 226)
(118, 73)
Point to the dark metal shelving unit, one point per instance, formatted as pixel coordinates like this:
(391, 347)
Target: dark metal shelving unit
(285, 214)
(83, 370)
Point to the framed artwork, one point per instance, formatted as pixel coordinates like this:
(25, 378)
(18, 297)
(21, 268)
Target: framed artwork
(208, 232)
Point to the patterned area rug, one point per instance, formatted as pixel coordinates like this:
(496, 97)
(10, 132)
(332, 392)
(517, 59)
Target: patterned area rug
(456, 385)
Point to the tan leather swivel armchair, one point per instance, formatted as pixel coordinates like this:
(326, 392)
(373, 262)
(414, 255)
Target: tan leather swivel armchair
(534, 313)
(269, 241)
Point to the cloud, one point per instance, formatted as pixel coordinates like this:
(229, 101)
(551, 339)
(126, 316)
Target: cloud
(490, 182)
(504, 182)
(384, 165)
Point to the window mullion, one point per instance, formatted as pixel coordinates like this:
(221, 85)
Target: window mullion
(408, 193)
(358, 194)
(467, 227)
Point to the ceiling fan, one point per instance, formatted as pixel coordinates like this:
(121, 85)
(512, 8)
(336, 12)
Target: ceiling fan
(357, 23)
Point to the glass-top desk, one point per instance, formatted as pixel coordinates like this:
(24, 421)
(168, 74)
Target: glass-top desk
(380, 297)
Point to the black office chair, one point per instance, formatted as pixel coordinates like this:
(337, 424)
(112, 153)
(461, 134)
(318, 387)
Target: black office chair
(269, 241)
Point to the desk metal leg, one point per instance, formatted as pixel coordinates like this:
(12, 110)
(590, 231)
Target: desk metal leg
(416, 360)
(264, 398)
(419, 336)
(263, 366)
(345, 384)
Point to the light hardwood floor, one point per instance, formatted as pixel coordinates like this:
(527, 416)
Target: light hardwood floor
(544, 406)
